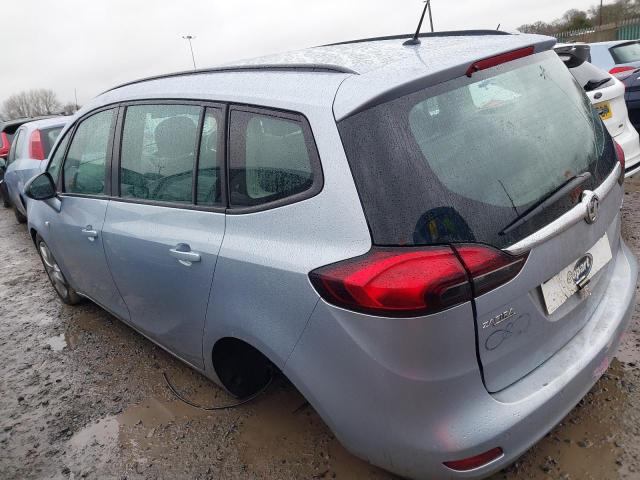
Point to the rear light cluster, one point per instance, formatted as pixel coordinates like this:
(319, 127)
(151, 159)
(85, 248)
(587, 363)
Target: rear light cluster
(622, 72)
(621, 159)
(405, 282)
(36, 149)
(4, 145)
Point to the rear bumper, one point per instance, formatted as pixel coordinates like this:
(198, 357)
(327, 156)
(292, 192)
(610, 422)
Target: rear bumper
(629, 140)
(406, 394)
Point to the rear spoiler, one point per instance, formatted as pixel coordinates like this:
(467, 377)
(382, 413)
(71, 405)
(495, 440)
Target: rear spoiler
(574, 55)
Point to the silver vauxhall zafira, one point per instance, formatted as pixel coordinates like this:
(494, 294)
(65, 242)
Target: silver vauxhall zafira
(425, 239)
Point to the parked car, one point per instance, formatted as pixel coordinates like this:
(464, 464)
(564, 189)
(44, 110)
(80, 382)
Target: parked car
(425, 239)
(7, 131)
(632, 97)
(607, 94)
(31, 146)
(619, 57)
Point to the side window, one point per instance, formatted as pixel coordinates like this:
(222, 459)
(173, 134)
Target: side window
(56, 159)
(158, 152)
(84, 169)
(15, 146)
(209, 189)
(269, 159)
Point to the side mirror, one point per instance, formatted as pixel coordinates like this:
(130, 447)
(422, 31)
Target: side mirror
(41, 187)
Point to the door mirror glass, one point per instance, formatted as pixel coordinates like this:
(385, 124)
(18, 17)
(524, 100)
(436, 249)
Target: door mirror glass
(41, 187)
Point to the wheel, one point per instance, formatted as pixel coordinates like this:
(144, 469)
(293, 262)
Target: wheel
(66, 293)
(19, 217)
(5, 196)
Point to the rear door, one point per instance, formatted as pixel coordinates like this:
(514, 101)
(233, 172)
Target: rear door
(76, 223)
(164, 229)
(500, 158)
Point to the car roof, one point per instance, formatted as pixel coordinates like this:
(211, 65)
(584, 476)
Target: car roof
(611, 43)
(17, 122)
(49, 122)
(364, 71)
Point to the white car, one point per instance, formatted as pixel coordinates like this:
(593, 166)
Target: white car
(618, 57)
(606, 93)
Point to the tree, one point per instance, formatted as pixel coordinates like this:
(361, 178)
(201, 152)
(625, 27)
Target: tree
(32, 103)
(575, 19)
(70, 108)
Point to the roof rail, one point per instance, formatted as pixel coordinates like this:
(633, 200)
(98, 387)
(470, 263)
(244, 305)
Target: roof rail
(452, 33)
(294, 67)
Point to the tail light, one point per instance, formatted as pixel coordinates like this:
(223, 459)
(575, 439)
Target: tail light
(622, 72)
(621, 159)
(4, 145)
(478, 461)
(403, 282)
(36, 150)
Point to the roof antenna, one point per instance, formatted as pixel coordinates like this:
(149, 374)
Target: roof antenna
(416, 38)
(498, 27)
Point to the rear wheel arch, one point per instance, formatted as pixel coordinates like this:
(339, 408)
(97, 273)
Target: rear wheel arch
(34, 234)
(241, 368)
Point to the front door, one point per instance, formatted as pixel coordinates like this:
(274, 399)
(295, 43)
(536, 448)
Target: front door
(163, 234)
(76, 224)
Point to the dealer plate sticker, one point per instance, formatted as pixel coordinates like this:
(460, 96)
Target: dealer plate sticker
(576, 276)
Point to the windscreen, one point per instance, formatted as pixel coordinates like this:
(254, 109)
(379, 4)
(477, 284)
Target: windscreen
(462, 161)
(626, 53)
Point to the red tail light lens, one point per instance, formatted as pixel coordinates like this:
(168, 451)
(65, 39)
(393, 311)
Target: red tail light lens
(499, 60)
(4, 145)
(622, 72)
(478, 461)
(397, 282)
(621, 159)
(36, 150)
(488, 267)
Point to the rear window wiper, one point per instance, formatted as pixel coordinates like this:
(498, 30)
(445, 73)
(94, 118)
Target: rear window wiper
(550, 199)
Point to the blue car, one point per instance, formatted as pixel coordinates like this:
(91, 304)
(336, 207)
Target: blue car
(31, 145)
(423, 235)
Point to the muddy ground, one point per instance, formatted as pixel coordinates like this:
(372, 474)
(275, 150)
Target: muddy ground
(82, 395)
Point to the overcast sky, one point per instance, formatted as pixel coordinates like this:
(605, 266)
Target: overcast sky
(92, 45)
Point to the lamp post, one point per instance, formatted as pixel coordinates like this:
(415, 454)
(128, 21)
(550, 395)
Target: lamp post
(193, 58)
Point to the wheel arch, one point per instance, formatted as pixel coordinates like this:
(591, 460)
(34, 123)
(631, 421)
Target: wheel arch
(242, 368)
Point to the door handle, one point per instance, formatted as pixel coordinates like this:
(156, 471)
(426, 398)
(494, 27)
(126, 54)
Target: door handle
(90, 233)
(182, 252)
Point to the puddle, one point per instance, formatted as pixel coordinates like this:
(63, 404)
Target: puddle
(62, 341)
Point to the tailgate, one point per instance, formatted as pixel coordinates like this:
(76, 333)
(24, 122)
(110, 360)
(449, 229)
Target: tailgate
(523, 323)
(610, 104)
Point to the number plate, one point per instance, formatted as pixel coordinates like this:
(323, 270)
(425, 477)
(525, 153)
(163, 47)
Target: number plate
(576, 275)
(604, 109)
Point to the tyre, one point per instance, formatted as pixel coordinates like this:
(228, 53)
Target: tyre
(66, 293)
(5, 196)
(19, 216)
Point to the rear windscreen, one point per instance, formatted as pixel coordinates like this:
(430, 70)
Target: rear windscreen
(461, 161)
(49, 136)
(626, 53)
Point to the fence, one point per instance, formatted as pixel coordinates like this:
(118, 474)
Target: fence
(627, 29)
